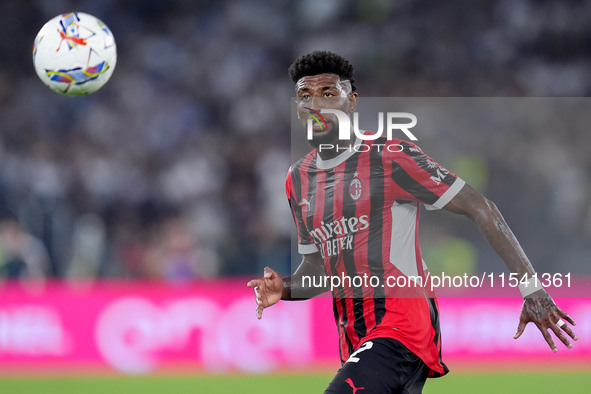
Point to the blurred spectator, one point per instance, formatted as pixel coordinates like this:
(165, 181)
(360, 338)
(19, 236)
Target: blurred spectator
(88, 247)
(21, 254)
(173, 253)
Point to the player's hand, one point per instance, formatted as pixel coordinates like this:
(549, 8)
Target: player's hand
(267, 290)
(540, 309)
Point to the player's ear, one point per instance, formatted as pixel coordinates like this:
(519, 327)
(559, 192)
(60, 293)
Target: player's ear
(352, 101)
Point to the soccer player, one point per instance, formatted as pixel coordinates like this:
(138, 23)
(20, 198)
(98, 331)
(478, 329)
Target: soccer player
(356, 212)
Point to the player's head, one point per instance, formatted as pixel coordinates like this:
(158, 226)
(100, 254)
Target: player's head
(323, 79)
(323, 62)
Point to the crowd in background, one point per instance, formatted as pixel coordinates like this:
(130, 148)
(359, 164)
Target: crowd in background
(176, 168)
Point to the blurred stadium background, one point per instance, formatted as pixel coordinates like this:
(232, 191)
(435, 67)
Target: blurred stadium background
(141, 210)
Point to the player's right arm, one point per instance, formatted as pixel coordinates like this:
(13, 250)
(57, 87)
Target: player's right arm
(432, 184)
(538, 307)
(271, 287)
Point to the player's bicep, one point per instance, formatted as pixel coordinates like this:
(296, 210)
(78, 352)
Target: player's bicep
(468, 202)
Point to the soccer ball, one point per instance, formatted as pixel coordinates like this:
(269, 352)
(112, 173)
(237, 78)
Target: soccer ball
(74, 54)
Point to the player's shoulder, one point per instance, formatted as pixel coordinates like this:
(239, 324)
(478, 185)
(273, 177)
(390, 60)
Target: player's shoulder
(307, 161)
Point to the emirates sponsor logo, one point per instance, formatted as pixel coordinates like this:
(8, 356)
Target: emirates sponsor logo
(340, 227)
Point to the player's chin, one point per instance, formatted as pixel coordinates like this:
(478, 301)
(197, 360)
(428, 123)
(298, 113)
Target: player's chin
(323, 137)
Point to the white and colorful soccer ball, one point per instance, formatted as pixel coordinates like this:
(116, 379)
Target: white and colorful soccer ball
(74, 54)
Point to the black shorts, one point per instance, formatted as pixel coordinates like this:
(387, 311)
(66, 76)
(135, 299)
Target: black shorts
(381, 366)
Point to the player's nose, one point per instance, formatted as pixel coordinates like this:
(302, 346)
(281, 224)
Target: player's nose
(317, 103)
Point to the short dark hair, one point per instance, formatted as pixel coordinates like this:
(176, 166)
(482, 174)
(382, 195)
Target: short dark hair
(320, 62)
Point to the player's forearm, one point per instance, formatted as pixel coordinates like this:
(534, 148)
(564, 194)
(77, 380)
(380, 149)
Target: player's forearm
(286, 294)
(493, 227)
(293, 290)
(496, 231)
(300, 285)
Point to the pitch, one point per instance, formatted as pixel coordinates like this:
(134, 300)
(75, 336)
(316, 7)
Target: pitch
(457, 383)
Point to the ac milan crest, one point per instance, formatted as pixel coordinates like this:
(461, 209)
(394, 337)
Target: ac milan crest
(355, 189)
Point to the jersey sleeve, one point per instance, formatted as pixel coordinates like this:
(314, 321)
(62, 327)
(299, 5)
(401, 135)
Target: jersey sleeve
(305, 243)
(417, 177)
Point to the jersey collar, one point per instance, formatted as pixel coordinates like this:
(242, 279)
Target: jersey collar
(335, 161)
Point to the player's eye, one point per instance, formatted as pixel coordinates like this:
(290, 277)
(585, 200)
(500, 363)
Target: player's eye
(328, 94)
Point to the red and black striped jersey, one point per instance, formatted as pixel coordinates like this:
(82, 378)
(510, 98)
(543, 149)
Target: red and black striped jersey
(360, 211)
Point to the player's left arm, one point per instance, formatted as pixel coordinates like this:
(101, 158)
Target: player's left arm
(538, 307)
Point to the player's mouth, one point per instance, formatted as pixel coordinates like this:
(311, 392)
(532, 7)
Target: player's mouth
(323, 127)
(318, 128)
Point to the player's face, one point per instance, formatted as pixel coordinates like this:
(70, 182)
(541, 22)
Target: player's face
(323, 91)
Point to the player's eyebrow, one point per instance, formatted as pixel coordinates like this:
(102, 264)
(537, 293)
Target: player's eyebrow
(324, 88)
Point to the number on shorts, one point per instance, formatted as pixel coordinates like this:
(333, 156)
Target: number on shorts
(366, 346)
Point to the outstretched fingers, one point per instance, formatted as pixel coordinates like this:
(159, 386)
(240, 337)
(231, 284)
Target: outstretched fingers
(560, 335)
(267, 290)
(566, 317)
(558, 328)
(254, 283)
(259, 311)
(570, 332)
(547, 336)
(544, 313)
(565, 327)
(520, 328)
